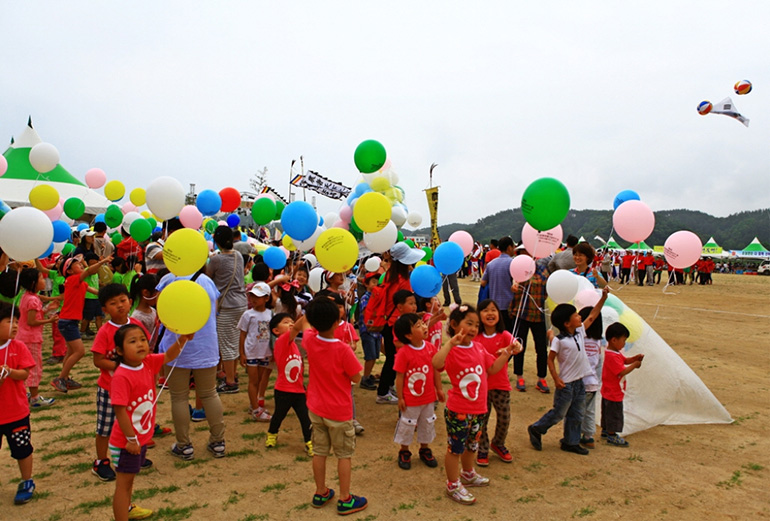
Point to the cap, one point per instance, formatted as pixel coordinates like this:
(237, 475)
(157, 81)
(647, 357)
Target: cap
(87, 233)
(371, 275)
(260, 289)
(402, 253)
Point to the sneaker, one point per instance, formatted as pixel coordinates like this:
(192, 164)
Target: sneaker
(271, 440)
(605, 433)
(575, 449)
(24, 492)
(368, 383)
(60, 384)
(387, 399)
(217, 448)
(351, 505)
(482, 459)
(358, 427)
(520, 385)
(53, 360)
(226, 388)
(322, 500)
(159, 431)
(473, 479)
(102, 470)
(72, 384)
(587, 442)
(542, 386)
(426, 455)
(40, 401)
(198, 415)
(309, 448)
(457, 492)
(162, 383)
(150, 444)
(614, 439)
(261, 415)
(137, 512)
(405, 459)
(502, 452)
(146, 464)
(534, 438)
(185, 452)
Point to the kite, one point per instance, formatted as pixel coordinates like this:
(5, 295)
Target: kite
(725, 107)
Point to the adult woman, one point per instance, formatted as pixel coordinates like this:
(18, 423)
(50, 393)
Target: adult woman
(583, 254)
(226, 270)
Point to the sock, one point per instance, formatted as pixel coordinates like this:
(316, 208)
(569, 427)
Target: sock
(261, 401)
(451, 485)
(468, 473)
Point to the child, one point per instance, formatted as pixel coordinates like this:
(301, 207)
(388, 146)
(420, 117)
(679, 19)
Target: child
(116, 303)
(371, 342)
(404, 302)
(133, 398)
(289, 383)
(417, 393)
(616, 366)
(569, 398)
(468, 365)
(593, 343)
(75, 288)
(254, 347)
(16, 363)
(432, 315)
(91, 308)
(147, 296)
(494, 337)
(31, 330)
(333, 366)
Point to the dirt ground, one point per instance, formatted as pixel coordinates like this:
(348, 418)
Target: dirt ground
(668, 472)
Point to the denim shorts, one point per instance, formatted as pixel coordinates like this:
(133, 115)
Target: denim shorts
(69, 329)
(92, 309)
(258, 362)
(371, 345)
(125, 462)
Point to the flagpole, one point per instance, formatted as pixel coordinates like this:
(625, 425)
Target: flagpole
(291, 174)
(302, 173)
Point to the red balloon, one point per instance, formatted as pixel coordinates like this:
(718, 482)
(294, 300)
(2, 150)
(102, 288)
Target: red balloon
(231, 199)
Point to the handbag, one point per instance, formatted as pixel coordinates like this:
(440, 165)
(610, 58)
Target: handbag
(224, 293)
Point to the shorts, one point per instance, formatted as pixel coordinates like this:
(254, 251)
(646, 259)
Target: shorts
(105, 414)
(125, 462)
(420, 418)
(92, 309)
(612, 416)
(371, 345)
(258, 362)
(19, 438)
(331, 435)
(462, 431)
(69, 329)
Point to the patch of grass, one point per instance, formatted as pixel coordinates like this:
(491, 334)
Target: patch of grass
(41, 495)
(734, 481)
(46, 417)
(81, 402)
(253, 435)
(228, 413)
(278, 467)
(85, 483)
(241, 453)
(301, 506)
(233, 499)
(566, 482)
(175, 513)
(635, 457)
(752, 466)
(529, 499)
(740, 419)
(275, 487)
(53, 428)
(583, 512)
(506, 477)
(63, 452)
(56, 516)
(87, 412)
(255, 517)
(77, 468)
(87, 506)
(300, 458)
(194, 483)
(73, 436)
(147, 493)
(73, 396)
(534, 467)
(201, 428)
(41, 475)
(407, 506)
(370, 517)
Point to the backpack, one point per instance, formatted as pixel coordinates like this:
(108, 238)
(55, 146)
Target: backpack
(376, 313)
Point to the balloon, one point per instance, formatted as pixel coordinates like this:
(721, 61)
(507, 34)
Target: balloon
(634, 324)
(146, 214)
(190, 217)
(615, 303)
(409, 242)
(279, 206)
(165, 197)
(562, 286)
(545, 203)
(116, 238)
(541, 244)
(414, 219)
(274, 258)
(58, 247)
(346, 214)
(398, 216)
(372, 212)
(67, 249)
(43, 157)
(625, 195)
(140, 229)
(381, 241)
(587, 298)
(448, 257)
(114, 190)
(113, 217)
(138, 196)
(425, 281)
(310, 242)
(372, 263)
(44, 197)
(428, 253)
(742, 87)
(310, 259)
(231, 199)
(4, 208)
(129, 218)
(55, 212)
(682, 249)
(208, 202)
(61, 231)
(3, 165)
(331, 218)
(128, 207)
(369, 156)
(314, 279)
(25, 233)
(184, 306)
(288, 243)
(522, 268)
(400, 236)
(380, 184)
(634, 221)
(704, 107)
(185, 251)
(299, 220)
(263, 210)
(233, 220)
(336, 250)
(95, 178)
(211, 225)
(47, 252)
(465, 241)
(609, 316)
(152, 221)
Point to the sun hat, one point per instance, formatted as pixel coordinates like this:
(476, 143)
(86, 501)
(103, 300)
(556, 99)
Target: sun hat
(260, 289)
(67, 263)
(402, 253)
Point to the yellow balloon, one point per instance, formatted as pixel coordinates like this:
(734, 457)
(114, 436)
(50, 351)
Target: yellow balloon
(184, 306)
(137, 197)
(185, 252)
(372, 212)
(380, 184)
(114, 190)
(420, 263)
(146, 214)
(44, 197)
(288, 243)
(550, 304)
(634, 324)
(261, 247)
(336, 250)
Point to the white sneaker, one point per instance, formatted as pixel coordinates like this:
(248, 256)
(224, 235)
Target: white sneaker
(359, 428)
(261, 415)
(40, 401)
(473, 480)
(387, 399)
(460, 494)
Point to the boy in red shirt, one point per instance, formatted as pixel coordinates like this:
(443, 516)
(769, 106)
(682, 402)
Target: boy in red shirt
(616, 366)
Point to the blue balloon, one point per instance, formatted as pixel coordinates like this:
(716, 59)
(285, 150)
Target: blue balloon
(207, 236)
(274, 258)
(244, 237)
(99, 218)
(61, 231)
(233, 220)
(426, 281)
(622, 197)
(299, 220)
(448, 257)
(47, 252)
(320, 221)
(361, 189)
(82, 226)
(208, 202)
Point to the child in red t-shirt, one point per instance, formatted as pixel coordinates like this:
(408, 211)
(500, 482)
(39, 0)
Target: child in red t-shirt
(468, 366)
(133, 398)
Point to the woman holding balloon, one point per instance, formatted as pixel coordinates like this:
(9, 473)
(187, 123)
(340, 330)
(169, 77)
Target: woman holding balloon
(583, 254)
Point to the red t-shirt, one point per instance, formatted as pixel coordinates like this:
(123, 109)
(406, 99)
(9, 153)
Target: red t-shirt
(332, 363)
(498, 381)
(435, 331)
(648, 260)
(467, 367)
(491, 255)
(346, 332)
(614, 364)
(391, 290)
(30, 334)
(74, 298)
(104, 343)
(627, 260)
(129, 247)
(416, 364)
(13, 393)
(134, 388)
(291, 367)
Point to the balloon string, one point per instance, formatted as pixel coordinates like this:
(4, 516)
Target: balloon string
(13, 307)
(525, 293)
(168, 376)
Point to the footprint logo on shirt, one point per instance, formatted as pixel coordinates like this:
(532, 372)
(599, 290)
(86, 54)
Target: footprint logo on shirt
(416, 379)
(293, 369)
(141, 413)
(469, 377)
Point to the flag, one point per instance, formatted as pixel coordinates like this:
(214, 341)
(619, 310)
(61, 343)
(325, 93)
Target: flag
(432, 195)
(297, 180)
(726, 107)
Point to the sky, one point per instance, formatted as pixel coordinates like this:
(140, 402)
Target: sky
(600, 95)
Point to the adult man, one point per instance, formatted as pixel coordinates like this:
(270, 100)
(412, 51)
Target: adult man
(497, 277)
(563, 260)
(103, 246)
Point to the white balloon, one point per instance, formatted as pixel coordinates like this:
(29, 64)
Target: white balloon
(165, 197)
(309, 243)
(25, 233)
(44, 157)
(414, 219)
(314, 278)
(311, 259)
(391, 175)
(372, 263)
(562, 286)
(129, 218)
(398, 216)
(381, 241)
(584, 284)
(58, 246)
(331, 218)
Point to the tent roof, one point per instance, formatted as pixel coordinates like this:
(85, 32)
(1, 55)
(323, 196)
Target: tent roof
(711, 243)
(639, 246)
(755, 245)
(611, 243)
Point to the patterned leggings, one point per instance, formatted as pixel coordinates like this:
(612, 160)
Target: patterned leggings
(501, 401)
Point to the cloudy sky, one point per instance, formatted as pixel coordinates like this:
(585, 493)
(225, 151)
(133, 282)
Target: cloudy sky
(600, 95)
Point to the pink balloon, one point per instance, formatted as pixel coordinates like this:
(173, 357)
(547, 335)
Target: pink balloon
(634, 221)
(128, 207)
(464, 239)
(541, 244)
(95, 178)
(55, 212)
(522, 268)
(682, 249)
(341, 224)
(587, 298)
(346, 214)
(3, 166)
(191, 217)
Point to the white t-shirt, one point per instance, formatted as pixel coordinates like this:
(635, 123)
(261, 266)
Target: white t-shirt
(256, 324)
(571, 354)
(594, 354)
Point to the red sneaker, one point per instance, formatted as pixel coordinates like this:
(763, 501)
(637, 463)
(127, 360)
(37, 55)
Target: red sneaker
(502, 452)
(482, 459)
(520, 385)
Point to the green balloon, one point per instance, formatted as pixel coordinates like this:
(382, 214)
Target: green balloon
(68, 248)
(140, 230)
(153, 222)
(74, 208)
(113, 216)
(211, 226)
(400, 236)
(428, 253)
(358, 236)
(279, 206)
(545, 203)
(116, 238)
(410, 242)
(354, 229)
(369, 156)
(263, 210)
